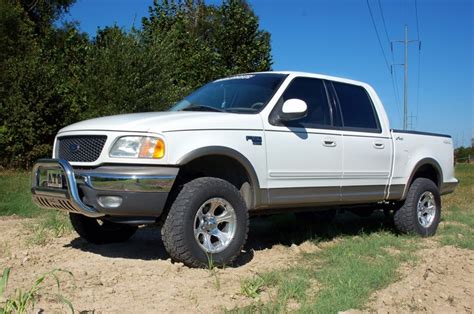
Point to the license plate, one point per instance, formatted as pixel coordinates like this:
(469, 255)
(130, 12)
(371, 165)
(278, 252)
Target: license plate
(55, 179)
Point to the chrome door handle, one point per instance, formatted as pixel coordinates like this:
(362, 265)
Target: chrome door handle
(329, 143)
(379, 145)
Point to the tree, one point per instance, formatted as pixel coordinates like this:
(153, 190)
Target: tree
(242, 45)
(123, 75)
(464, 154)
(206, 42)
(34, 93)
(42, 13)
(53, 76)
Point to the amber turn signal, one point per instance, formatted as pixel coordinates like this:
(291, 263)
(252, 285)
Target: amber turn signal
(152, 147)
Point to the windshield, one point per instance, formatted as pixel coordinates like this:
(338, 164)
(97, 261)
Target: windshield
(247, 93)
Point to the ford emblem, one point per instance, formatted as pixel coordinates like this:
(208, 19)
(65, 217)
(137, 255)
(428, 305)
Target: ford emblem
(73, 148)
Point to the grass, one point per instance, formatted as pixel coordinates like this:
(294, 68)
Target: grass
(252, 287)
(15, 199)
(50, 224)
(353, 269)
(24, 300)
(359, 256)
(339, 277)
(213, 271)
(457, 227)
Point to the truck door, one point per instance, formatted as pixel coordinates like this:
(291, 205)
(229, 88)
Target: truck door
(367, 150)
(304, 157)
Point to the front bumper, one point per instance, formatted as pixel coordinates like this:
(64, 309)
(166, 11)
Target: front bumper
(449, 187)
(133, 191)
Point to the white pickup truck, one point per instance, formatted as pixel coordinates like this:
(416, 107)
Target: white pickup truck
(250, 144)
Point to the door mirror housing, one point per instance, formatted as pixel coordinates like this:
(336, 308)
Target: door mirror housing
(293, 109)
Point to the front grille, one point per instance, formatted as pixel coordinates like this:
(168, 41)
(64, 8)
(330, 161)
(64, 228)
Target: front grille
(83, 148)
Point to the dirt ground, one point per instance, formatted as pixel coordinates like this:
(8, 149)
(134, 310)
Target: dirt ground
(133, 277)
(441, 282)
(138, 276)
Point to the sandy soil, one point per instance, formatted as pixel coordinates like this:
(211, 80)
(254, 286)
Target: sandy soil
(138, 276)
(441, 282)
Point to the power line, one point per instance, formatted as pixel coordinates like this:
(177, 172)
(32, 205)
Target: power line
(384, 25)
(418, 82)
(419, 58)
(394, 81)
(396, 91)
(417, 23)
(384, 56)
(378, 36)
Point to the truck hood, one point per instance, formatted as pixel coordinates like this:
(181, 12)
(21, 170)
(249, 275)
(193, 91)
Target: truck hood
(158, 122)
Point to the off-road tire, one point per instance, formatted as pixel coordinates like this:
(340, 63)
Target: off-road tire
(91, 230)
(406, 219)
(178, 230)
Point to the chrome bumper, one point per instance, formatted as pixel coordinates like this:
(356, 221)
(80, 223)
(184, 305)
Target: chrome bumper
(448, 187)
(142, 189)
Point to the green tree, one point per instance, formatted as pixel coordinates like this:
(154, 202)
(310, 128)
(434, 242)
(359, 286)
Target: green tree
(43, 13)
(122, 75)
(205, 42)
(242, 45)
(53, 76)
(464, 154)
(34, 102)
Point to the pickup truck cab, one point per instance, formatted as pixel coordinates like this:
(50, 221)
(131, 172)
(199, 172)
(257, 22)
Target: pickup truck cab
(249, 144)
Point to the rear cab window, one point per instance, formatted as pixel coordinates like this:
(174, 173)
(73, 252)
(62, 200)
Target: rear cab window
(357, 110)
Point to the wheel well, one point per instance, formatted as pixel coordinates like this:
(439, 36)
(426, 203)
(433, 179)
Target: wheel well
(222, 167)
(427, 171)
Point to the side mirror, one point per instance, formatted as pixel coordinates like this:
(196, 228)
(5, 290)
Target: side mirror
(293, 109)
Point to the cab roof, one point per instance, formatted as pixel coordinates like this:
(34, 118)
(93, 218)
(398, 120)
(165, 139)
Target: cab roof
(315, 75)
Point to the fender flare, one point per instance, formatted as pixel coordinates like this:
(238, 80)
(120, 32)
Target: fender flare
(231, 153)
(419, 164)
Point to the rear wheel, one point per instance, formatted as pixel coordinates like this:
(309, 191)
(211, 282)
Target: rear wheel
(421, 212)
(208, 221)
(101, 231)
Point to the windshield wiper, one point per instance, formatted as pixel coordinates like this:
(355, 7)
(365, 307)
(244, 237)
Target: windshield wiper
(201, 108)
(240, 109)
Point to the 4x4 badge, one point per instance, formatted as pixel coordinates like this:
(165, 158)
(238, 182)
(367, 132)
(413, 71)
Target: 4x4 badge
(256, 140)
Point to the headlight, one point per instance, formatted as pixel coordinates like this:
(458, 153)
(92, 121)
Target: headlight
(138, 147)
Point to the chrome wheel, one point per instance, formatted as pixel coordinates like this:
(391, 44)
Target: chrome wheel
(426, 209)
(214, 225)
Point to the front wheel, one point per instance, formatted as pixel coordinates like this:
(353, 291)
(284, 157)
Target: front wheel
(207, 223)
(421, 212)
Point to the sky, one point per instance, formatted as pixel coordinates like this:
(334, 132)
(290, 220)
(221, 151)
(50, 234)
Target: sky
(338, 38)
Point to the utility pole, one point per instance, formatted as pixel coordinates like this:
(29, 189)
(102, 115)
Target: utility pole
(405, 83)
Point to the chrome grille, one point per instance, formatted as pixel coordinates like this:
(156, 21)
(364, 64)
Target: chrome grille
(83, 148)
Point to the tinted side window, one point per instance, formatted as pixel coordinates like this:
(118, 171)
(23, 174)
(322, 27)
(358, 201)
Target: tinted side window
(357, 109)
(312, 91)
